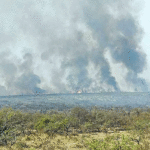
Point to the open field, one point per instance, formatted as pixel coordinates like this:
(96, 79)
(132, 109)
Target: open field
(77, 128)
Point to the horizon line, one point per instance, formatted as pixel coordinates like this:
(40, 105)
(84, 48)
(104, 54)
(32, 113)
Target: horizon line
(38, 94)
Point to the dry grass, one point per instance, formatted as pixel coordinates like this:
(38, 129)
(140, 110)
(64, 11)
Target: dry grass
(42, 141)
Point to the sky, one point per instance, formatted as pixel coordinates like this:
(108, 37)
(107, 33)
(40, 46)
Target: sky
(145, 24)
(53, 46)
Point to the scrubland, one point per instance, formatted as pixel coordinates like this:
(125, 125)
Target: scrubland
(77, 128)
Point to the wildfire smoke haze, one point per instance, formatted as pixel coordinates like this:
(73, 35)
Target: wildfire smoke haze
(54, 46)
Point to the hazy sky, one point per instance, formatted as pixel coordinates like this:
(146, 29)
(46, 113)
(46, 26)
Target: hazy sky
(53, 46)
(145, 24)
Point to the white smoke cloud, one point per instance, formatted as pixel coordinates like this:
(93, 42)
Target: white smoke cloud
(60, 46)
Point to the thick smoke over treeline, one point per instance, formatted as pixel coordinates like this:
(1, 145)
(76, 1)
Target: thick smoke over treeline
(54, 46)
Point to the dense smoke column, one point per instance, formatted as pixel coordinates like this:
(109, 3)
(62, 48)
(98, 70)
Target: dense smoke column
(102, 65)
(80, 74)
(121, 36)
(28, 82)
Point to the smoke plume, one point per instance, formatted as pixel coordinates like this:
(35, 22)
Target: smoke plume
(54, 46)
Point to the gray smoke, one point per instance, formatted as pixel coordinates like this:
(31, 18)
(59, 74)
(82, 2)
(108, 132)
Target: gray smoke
(50, 46)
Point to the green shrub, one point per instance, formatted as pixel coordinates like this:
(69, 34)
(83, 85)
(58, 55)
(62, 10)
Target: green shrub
(94, 145)
(42, 123)
(51, 124)
(73, 121)
(88, 126)
(80, 113)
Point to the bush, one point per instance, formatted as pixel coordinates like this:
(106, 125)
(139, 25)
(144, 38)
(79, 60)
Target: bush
(80, 113)
(95, 145)
(42, 123)
(51, 124)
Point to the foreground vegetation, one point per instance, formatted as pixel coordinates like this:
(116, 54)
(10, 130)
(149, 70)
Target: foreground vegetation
(77, 128)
